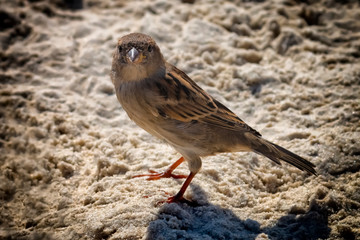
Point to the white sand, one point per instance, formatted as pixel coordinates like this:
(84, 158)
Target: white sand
(68, 151)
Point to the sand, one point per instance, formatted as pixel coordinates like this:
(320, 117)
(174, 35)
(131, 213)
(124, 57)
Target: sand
(290, 69)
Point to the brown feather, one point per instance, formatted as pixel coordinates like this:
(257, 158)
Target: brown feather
(187, 102)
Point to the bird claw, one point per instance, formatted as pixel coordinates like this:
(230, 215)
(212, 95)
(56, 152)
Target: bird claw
(154, 175)
(176, 199)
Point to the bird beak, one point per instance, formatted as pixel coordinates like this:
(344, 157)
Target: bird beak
(135, 56)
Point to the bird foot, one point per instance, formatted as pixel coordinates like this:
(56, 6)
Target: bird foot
(154, 175)
(176, 199)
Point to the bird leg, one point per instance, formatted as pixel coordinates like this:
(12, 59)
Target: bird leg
(179, 197)
(153, 175)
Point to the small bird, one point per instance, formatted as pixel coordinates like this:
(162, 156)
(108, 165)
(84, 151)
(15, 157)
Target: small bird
(168, 104)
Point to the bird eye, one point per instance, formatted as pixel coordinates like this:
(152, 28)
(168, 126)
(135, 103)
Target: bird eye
(120, 49)
(150, 48)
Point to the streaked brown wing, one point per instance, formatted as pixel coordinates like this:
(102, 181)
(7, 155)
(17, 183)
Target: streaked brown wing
(185, 101)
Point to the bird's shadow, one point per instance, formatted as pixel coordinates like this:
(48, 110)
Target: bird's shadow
(208, 221)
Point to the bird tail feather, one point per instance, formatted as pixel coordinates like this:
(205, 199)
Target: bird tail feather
(277, 153)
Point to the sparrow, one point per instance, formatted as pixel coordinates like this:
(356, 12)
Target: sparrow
(168, 104)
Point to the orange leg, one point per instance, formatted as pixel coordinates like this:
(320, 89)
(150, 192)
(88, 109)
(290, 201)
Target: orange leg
(179, 196)
(153, 175)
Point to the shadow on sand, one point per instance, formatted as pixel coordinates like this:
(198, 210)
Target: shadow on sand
(208, 221)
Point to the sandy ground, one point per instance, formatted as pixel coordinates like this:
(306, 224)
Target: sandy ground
(290, 69)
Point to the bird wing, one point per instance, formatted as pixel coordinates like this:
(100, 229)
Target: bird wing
(183, 100)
